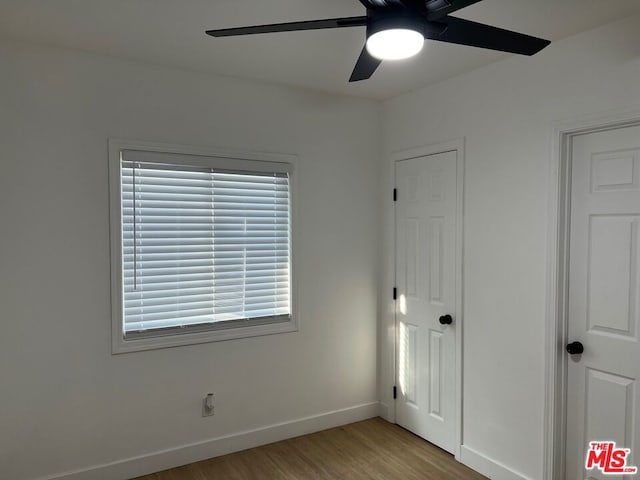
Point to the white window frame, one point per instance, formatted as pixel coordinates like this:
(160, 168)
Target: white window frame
(228, 159)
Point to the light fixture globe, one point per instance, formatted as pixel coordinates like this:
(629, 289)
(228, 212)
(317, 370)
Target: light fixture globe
(394, 37)
(395, 44)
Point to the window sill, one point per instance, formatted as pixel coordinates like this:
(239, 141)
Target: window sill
(141, 343)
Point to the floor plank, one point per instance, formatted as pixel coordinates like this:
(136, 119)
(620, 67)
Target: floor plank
(373, 450)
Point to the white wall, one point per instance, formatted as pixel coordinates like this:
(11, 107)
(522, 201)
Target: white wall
(65, 402)
(506, 113)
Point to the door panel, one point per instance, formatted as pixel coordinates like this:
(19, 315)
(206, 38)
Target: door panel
(436, 348)
(604, 294)
(426, 279)
(609, 400)
(613, 259)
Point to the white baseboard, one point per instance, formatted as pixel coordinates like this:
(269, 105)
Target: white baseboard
(194, 452)
(486, 466)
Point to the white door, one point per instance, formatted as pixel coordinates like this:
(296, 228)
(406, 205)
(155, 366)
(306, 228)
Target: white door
(603, 400)
(426, 291)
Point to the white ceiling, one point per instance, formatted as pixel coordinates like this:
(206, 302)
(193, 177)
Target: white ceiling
(171, 32)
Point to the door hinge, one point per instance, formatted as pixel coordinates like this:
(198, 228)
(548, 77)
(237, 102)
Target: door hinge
(395, 392)
(395, 194)
(395, 293)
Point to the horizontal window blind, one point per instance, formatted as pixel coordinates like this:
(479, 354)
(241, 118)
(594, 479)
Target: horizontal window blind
(202, 246)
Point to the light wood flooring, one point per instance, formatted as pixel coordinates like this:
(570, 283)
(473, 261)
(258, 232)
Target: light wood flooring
(373, 449)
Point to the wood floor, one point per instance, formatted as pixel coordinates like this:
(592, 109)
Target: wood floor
(373, 449)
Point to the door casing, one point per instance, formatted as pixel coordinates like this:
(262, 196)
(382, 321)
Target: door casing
(557, 294)
(458, 147)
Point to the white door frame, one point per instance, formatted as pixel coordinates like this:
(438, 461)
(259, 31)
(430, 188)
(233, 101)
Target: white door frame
(458, 147)
(554, 448)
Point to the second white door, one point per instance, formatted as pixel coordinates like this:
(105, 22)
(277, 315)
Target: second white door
(603, 401)
(426, 209)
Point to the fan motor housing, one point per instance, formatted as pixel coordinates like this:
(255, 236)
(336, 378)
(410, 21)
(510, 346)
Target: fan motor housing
(380, 20)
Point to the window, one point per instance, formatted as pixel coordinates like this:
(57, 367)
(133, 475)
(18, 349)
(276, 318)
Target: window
(201, 247)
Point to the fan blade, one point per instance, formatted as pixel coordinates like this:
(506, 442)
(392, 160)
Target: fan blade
(438, 9)
(466, 32)
(365, 66)
(291, 27)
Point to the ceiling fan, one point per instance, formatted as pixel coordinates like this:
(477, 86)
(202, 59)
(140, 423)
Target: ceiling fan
(396, 29)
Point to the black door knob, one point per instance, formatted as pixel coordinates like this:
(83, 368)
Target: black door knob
(575, 348)
(446, 320)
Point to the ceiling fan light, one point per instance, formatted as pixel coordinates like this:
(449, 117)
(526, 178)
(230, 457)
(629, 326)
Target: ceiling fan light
(395, 43)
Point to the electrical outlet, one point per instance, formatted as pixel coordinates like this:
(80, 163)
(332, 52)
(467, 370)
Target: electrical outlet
(208, 405)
